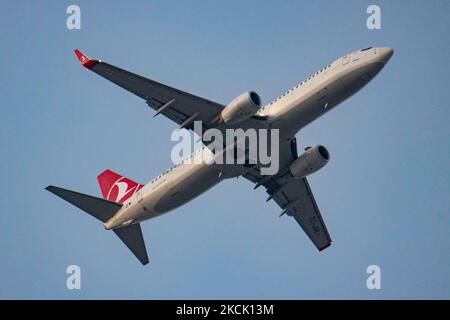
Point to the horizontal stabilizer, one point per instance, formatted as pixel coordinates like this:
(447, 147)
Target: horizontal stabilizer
(101, 209)
(133, 239)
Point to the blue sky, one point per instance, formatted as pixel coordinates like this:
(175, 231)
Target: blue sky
(384, 195)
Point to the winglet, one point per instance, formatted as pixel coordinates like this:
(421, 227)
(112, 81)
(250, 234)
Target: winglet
(84, 60)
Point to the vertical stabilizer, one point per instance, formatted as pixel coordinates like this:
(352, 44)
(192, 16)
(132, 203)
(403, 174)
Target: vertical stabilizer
(116, 187)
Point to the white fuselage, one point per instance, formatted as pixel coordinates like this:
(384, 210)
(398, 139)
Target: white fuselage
(289, 113)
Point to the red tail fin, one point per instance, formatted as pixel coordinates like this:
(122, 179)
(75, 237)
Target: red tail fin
(115, 187)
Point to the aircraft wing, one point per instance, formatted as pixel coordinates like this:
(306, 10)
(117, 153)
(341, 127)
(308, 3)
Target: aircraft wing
(181, 107)
(294, 196)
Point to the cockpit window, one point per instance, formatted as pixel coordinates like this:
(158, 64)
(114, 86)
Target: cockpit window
(366, 49)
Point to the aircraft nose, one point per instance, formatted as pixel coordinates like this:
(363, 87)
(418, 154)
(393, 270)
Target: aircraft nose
(385, 54)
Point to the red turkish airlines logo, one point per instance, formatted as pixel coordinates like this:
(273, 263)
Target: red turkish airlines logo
(122, 190)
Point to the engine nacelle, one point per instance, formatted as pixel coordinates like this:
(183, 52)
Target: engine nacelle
(241, 108)
(313, 159)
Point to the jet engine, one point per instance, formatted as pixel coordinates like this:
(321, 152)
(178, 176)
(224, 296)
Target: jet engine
(241, 108)
(313, 159)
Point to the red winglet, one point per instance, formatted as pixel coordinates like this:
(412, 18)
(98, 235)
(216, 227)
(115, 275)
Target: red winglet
(84, 60)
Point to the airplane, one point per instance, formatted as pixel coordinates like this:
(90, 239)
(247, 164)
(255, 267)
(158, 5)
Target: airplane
(126, 203)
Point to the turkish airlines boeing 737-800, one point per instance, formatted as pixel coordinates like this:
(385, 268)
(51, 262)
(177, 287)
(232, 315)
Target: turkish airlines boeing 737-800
(127, 203)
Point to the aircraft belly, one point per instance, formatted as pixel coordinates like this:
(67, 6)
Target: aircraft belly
(311, 108)
(188, 187)
(357, 79)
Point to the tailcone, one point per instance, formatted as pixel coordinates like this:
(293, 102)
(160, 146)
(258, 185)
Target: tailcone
(111, 223)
